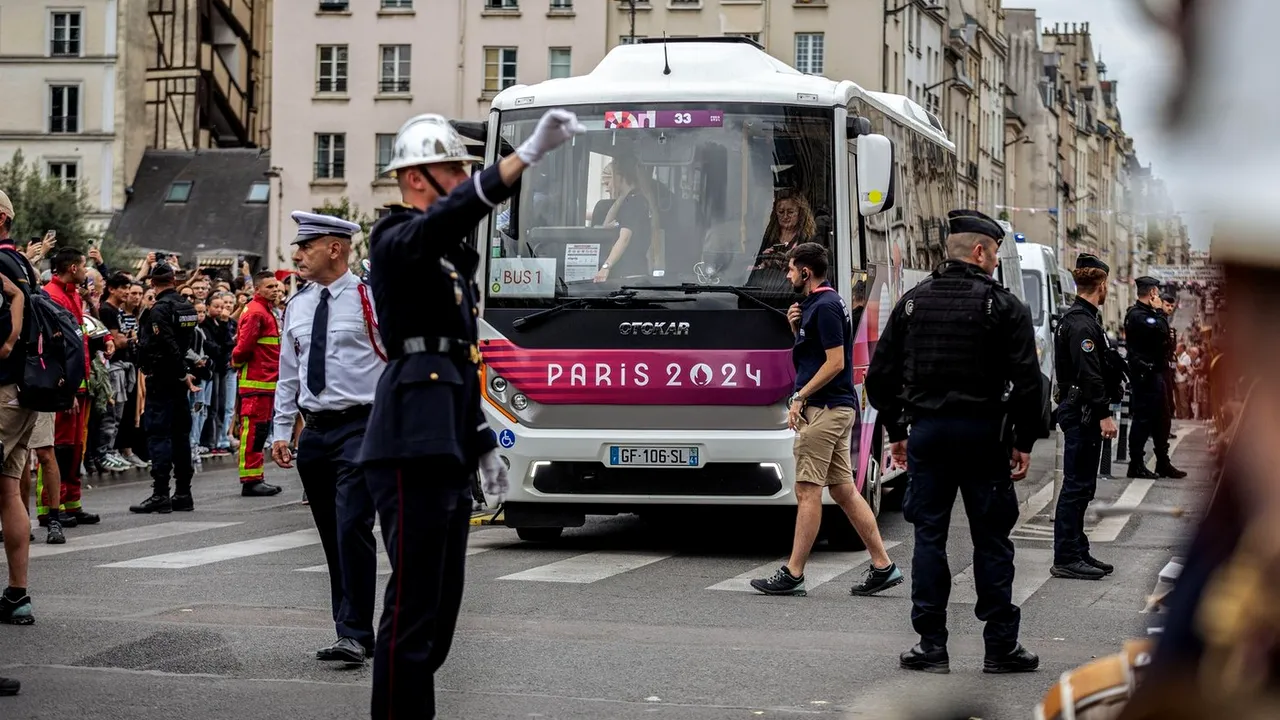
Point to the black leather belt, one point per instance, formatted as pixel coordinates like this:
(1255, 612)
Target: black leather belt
(328, 419)
(452, 347)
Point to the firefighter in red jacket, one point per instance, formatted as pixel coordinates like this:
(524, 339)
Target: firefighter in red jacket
(257, 355)
(71, 428)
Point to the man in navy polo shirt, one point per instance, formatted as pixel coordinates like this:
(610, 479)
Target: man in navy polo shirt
(822, 412)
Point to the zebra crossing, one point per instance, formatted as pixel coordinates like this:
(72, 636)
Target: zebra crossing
(577, 569)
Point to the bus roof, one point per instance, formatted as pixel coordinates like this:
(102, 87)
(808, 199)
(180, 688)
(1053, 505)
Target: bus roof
(720, 69)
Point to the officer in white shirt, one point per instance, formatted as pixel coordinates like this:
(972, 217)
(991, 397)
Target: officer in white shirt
(330, 362)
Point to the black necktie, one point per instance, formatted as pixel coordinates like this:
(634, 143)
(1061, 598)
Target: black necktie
(319, 339)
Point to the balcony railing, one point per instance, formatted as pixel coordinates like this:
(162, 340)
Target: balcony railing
(331, 170)
(331, 85)
(64, 48)
(393, 85)
(64, 123)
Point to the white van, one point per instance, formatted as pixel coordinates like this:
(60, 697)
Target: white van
(1048, 291)
(1009, 271)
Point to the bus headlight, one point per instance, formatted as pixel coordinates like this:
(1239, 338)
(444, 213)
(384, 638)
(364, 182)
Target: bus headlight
(498, 384)
(519, 401)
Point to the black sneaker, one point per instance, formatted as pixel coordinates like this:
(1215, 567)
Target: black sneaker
(55, 536)
(931, 660)
(1167, 470)
(9, 686)
(877, 580)
(1078, 570)
(154, 504)
(782, 583)
(1018, 660)
(1106, 568)
(182, 503)
(16, 612)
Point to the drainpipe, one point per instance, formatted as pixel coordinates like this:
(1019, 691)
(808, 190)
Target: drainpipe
(462, 54)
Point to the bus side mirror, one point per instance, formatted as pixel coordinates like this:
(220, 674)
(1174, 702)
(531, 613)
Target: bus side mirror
(875, 174)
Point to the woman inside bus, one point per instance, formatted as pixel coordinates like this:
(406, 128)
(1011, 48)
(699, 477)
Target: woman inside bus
(632, 214)
(792, 223)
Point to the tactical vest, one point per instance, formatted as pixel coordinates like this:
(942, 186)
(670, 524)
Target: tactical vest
(951, 345)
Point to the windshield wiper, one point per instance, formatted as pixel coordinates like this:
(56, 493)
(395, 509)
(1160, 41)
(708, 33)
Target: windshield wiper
(621, 298)
(694, 289)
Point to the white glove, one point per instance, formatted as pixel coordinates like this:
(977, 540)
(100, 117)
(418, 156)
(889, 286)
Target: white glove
(555, 128)
(493, 477)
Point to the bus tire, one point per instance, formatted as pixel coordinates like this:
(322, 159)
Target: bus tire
(539, 534)
(839, 531)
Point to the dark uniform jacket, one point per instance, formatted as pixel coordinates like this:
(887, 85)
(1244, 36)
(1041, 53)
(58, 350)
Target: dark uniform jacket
(423, 279)
(1147, 337)
(993, 346)
(1080, 345)
(166, 332)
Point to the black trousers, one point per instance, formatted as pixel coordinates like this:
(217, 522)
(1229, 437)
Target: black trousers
(946, 455)
(1151, 420)
(343, 509)
(167, 422)
(425, 510)
(1081, 452)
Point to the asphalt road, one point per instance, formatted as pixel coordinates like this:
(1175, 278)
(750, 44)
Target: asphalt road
(217, 613)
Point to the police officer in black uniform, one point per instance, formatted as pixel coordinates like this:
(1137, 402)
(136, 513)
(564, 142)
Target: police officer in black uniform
(1150, 344)
(1084, 412)
(166, 341)
(957, 363)
(427, 434)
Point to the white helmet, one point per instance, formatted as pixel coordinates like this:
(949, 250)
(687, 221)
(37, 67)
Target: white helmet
(428, 139)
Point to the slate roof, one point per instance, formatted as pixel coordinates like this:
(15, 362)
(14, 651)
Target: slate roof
(215, 216)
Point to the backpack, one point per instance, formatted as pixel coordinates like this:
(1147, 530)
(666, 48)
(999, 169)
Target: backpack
(53, 347)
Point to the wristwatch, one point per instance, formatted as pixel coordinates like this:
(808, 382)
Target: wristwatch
(605, 266)
(792, 400)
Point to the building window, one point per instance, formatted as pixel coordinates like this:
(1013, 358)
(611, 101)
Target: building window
(810, 53)
(331, 156)
(179, 192)
(561, 4)
(499, 69)
(386, 150)
(502, 4)
(559, 63)
(334, 6)
(259, 192)
(331, 73)
(686, 3)
(64, 108)
(67, 172)
(394, 76)
(64, 38)
(397, 4)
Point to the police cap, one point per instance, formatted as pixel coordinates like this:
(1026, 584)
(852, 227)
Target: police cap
(313, 225)
(1145, 283)
(161, 271)
(1085, 261)
(972, 221)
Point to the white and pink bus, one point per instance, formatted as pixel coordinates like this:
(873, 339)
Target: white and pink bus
(636, 350)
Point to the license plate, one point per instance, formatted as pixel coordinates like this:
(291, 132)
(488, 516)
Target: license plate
(650, 456)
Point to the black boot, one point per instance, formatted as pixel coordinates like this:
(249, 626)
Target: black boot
(1106, 568)
(930, 660)
(157, 503)
(1138, 470)
(259, 488)
(1019, 660)
(1078, 570)
(182, 502)
(1165, 469)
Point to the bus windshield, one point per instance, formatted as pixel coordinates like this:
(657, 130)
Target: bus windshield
(664, 195)
(1031, 282)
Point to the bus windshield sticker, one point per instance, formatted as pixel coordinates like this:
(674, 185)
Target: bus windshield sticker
(581, 261)
(522, 277)
(646, 119)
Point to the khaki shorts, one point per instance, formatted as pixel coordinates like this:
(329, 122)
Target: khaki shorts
(822, 446)
(16, 423)
(42, 435)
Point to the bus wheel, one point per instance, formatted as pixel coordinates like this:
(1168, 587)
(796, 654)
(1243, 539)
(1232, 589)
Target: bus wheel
(539, 534)
(871, 491)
